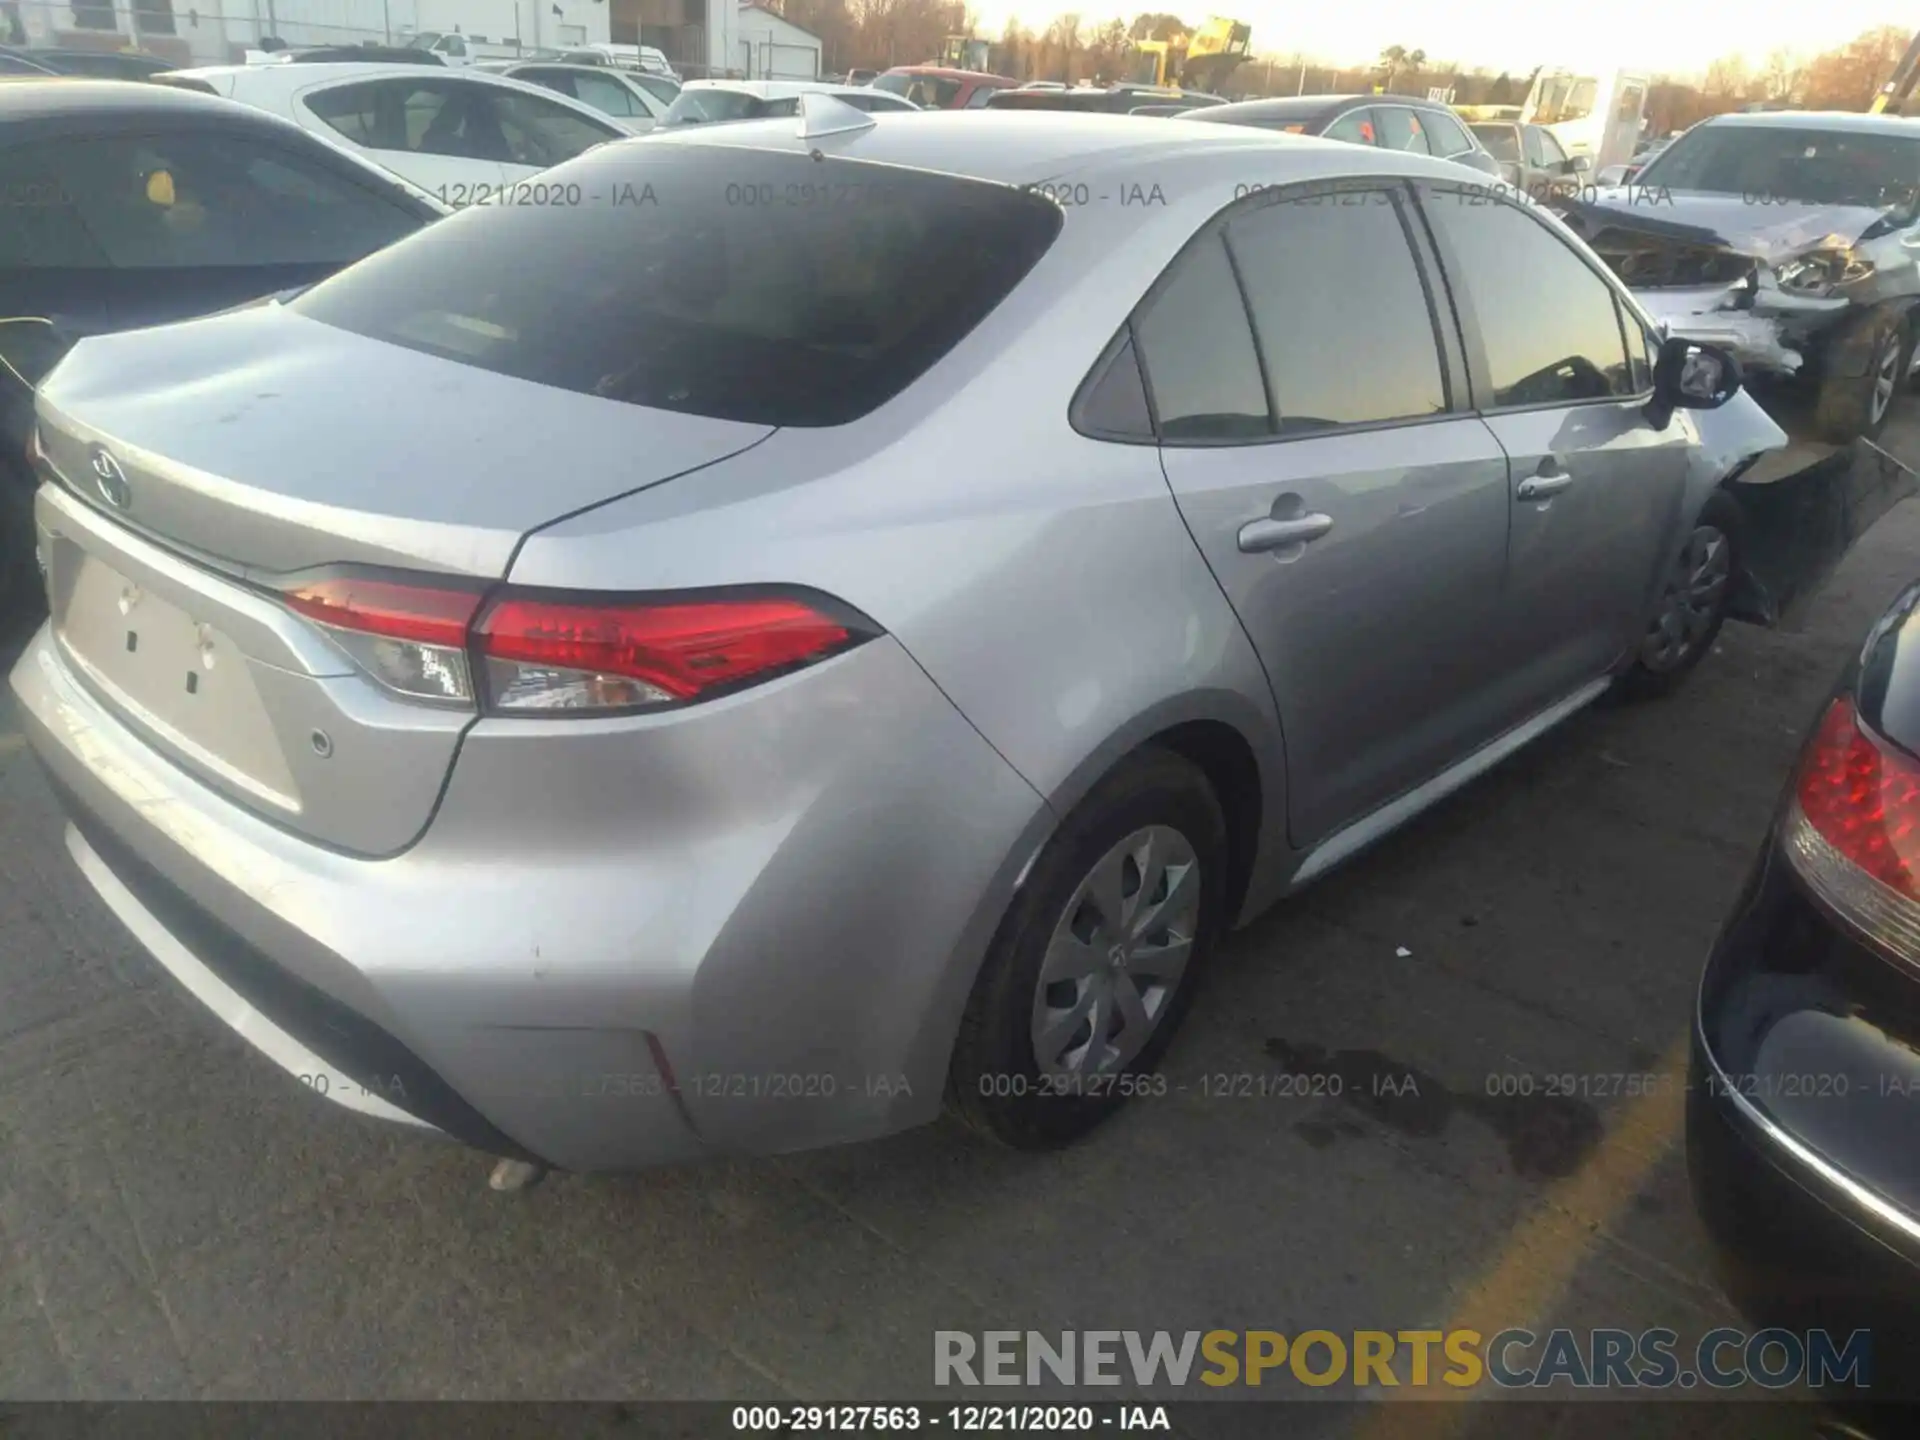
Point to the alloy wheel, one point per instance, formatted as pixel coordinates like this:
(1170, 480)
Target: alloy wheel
(1117, 955)
(1696, 590)
(1886, 377)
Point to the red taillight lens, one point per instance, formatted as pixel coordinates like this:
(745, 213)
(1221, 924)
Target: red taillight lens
(429, 614)
(1863, 799)
(411, 638)
(1853, 833)
(546, 654)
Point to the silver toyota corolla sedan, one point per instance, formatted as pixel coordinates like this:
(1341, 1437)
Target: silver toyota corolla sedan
(785, 624)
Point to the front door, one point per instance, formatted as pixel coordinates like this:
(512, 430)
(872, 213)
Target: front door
(1355, 516)
(1596, 490)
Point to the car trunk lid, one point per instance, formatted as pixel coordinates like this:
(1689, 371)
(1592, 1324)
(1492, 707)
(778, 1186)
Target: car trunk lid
(206, 467)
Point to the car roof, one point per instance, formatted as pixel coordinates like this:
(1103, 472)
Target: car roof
(774, 89)
(1817, 120)
(1015, 147)
(948, 72)
(295, 76)
(80, 96)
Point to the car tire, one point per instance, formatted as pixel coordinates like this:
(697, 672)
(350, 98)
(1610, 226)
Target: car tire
(1853, 407)
(1155, 807)
(1694, 597)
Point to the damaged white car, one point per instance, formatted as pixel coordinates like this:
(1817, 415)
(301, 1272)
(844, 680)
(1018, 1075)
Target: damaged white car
(1788, 238)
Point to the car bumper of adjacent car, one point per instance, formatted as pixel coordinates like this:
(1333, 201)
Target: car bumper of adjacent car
(1803, 1101)
(618, 943)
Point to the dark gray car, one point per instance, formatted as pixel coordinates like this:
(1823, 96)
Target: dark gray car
(1531, 159)
(1391, 122)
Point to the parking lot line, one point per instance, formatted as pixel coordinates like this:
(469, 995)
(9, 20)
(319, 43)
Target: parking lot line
(1532, 1272)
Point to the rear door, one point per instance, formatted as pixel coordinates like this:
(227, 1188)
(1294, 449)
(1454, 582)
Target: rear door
(1308, 397)
(1596, 489)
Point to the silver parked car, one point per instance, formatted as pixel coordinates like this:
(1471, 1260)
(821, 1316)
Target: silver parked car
(847, 613)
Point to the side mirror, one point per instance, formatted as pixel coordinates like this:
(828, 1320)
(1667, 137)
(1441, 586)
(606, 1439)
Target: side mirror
(1580, 164)
(1691, 375)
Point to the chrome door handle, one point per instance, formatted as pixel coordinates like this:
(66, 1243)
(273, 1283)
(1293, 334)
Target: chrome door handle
(1542, 487)
(1259, 535)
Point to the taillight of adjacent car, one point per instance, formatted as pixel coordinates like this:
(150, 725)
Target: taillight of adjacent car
(554, 653)
(1852, 830)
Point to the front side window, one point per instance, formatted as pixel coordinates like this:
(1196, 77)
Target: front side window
(931, 92)
(656, 291)
(1445, 135)
(1197, 348)
(191, 200)
(978, 99)
(606, 95)
(1400, 129)
(533, 131)
(1550, 326)
(1305, 262)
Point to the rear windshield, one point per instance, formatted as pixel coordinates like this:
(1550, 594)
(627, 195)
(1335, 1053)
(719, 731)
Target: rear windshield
(699, 107)
(773, 289)
(1501, 141)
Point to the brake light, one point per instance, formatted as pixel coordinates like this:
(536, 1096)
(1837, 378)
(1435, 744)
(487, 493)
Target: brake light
(411, 638)
(1853, 832)
(545, 654)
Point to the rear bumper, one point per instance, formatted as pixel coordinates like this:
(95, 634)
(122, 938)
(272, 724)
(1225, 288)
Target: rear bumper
(1800, 1123)
(619, 943)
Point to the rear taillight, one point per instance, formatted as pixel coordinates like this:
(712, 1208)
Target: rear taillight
(545, 654)
(1853, 830)
(541, 653)
(411, 638)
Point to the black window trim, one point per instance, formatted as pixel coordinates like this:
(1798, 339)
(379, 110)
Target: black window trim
(1478, 372)
(1122, 343)
(1398, 190)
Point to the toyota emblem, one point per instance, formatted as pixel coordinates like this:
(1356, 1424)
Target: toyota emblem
(109, 479)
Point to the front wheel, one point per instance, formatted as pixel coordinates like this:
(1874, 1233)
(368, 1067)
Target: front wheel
(1693, 600)
(1098, 958)
(1852, 407)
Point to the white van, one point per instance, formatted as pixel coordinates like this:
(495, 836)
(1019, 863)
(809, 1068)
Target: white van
(1598, 116)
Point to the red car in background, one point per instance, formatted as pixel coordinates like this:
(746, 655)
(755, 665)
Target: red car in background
(935, 87)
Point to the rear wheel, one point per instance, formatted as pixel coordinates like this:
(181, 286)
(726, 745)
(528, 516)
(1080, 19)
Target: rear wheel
(1097, 960)
(1693, 600)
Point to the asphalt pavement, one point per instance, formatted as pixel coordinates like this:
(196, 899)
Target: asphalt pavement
(179, 1219)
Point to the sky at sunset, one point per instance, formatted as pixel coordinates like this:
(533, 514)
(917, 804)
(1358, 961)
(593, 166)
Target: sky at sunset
(1662, 35)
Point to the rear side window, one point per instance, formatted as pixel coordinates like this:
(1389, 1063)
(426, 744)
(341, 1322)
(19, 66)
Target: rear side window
(1355, 127)
(662, 289)
(1499, 141)
(1550, 326)
(981, 94)
(1304, 262)
(156, 202)
(1197, 348)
